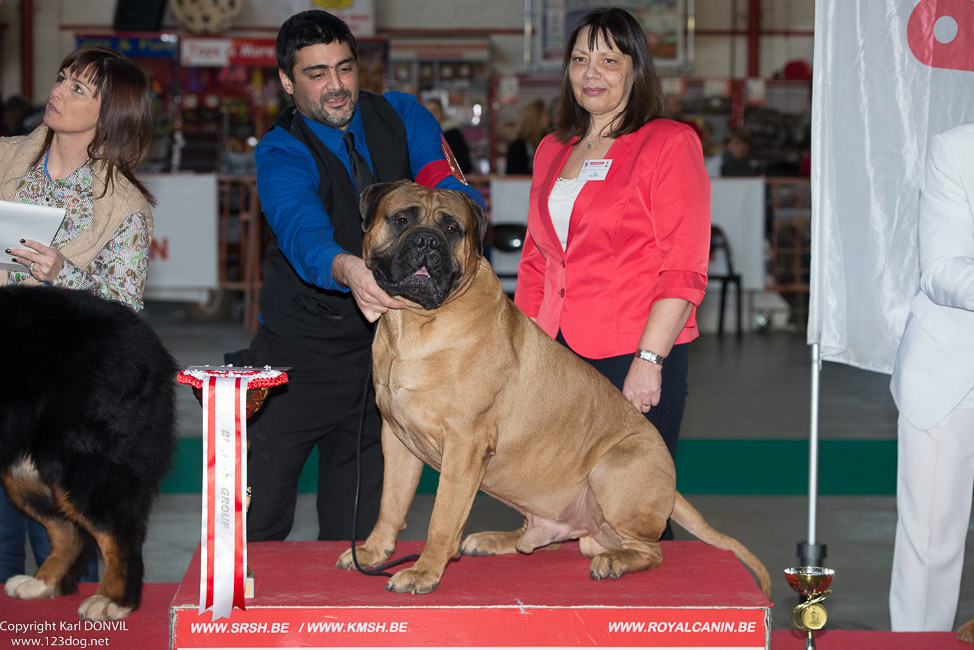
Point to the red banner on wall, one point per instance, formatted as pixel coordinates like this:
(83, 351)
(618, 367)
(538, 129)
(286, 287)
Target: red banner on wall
(221, 52)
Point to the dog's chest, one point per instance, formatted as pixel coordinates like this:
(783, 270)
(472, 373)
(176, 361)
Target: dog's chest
(410, 399)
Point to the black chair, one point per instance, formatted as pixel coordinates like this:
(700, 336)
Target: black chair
(507, 238)
(719, 244)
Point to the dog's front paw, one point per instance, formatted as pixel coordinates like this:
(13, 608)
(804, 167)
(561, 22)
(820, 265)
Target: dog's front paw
(100, 608)
(966, 632)
(367, 558)
(413, 580)
(27, 588)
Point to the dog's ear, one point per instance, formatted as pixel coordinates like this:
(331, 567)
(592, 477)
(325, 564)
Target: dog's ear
(370, 198)
(479, 221)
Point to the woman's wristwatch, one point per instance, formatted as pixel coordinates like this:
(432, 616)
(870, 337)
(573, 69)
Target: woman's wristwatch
(651, 357)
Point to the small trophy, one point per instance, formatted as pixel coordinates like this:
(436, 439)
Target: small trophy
(232, 395)
(812, 582)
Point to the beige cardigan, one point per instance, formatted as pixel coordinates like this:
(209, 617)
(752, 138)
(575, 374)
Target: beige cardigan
(16, 155)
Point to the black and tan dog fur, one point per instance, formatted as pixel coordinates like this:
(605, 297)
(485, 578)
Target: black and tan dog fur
(86, 434)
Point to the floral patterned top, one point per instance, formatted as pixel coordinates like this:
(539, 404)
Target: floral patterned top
(118, 271)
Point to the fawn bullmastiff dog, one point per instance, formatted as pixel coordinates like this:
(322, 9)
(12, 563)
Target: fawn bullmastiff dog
(468, 384)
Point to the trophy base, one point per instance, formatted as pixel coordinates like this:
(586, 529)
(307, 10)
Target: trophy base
(811, 554)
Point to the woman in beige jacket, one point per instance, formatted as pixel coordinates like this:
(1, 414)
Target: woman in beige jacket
(97, 128)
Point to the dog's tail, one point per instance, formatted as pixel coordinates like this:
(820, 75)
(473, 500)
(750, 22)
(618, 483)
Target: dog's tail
(694, 523)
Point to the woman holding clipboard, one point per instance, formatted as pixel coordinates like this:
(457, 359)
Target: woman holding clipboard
(97, 128)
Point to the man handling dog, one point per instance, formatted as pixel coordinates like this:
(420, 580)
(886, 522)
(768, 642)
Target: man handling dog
(318, 298)
(471, 386)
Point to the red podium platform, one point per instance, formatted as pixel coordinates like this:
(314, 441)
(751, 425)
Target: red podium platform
(700, 597)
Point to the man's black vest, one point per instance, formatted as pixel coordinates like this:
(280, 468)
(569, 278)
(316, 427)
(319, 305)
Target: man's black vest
(289, 306)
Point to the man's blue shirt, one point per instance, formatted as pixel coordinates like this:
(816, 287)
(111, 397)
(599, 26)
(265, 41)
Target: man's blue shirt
(287, 184)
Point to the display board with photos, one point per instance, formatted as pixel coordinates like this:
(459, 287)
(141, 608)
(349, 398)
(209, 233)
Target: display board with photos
(665, 22)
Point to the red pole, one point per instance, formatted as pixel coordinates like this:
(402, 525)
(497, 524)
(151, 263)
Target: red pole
(27, 49)
(737, 102)
(753, 38)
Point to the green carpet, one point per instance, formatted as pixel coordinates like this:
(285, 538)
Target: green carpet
(703, 466)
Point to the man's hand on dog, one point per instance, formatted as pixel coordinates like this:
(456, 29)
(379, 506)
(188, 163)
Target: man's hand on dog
(370, 297)
(643, 384)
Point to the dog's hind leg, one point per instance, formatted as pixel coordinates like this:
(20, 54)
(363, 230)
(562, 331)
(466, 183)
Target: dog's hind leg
(114, 597)
(635, 499)
(493, 542)
(636, 555)
(966, 632)
(59, 573)
(120, 538)
(55, 575)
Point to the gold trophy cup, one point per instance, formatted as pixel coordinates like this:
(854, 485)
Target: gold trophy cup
(811, 582)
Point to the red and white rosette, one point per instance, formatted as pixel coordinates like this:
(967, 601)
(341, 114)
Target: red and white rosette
(224, 522)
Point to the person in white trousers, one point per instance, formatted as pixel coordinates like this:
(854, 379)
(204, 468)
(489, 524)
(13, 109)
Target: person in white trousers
(933, 387)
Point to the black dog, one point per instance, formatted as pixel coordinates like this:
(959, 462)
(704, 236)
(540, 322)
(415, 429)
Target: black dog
(86, 433)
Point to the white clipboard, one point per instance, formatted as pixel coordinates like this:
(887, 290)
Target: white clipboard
(24, 221)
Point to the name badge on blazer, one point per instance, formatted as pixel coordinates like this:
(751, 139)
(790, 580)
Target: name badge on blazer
(595, 170)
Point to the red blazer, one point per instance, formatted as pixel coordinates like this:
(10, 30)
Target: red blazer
(640, 235)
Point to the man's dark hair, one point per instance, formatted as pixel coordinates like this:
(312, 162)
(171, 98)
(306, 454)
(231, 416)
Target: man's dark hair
(646, 100)
(310, 28)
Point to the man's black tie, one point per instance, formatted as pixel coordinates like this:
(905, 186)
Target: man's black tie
(360, 168)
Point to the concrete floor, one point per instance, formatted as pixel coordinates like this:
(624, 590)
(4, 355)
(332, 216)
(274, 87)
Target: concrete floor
(753, 387)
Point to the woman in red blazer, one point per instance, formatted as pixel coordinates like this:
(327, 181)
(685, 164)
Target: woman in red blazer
(615, 260)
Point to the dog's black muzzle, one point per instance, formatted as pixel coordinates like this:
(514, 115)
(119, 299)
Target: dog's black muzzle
(421, 268)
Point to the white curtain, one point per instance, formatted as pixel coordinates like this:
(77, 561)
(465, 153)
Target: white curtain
(888, 74)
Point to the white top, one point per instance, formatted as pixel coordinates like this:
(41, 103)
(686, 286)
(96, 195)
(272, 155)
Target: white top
(561, 202)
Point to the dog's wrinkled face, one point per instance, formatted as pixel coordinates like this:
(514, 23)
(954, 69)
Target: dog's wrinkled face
(420, 242)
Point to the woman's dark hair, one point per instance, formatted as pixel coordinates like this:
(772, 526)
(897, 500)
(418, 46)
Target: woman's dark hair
(310, 28)
(124, 129)
(618, 27)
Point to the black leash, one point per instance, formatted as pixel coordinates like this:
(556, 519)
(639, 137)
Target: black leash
(379, 571)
